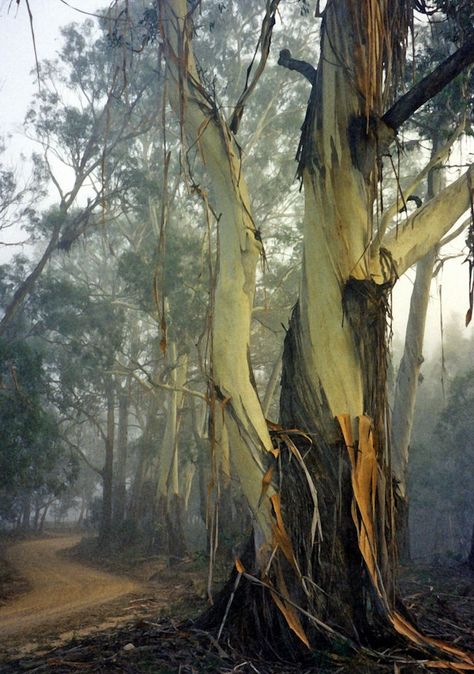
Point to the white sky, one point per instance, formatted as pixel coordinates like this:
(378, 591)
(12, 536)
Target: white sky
(17, 60)
(17, 85)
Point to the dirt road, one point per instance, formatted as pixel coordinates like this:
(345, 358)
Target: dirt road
(59, 588)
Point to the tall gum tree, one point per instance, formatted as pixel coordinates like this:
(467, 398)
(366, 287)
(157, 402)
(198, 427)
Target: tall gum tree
(323, 543)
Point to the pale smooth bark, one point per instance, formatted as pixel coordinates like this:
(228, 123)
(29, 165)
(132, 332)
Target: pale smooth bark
(409, 370)
(239, 251)
(410, 365)
(168, 479)
(424, 228)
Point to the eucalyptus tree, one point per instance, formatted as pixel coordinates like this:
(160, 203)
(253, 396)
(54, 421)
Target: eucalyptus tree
(35, 465)
(83, 118)
(319, 486)
(75, 315)
(443, 131)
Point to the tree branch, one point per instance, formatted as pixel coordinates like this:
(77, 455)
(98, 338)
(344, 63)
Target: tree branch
(440, 155)
(151, 385)
(430, 85)
(83, 456)
(306, 69)
(428, 224)
(264, 42)
(454, 234)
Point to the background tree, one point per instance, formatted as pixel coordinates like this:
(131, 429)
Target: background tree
(35, 464)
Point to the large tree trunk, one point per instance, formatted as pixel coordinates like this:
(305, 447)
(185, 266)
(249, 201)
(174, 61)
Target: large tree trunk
(323, 517)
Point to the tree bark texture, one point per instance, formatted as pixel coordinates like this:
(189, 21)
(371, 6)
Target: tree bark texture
(321, 561)
(105, 530)
(169, 517)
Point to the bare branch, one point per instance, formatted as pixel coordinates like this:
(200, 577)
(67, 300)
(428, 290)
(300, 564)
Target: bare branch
(430, 85)
(83, 456)
(306, 69)
(264, 43)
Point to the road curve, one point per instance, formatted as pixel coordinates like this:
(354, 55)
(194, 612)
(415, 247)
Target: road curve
(59, 587)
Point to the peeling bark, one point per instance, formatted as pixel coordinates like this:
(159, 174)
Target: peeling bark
(239, 251)
(328, 511)
(170, 534)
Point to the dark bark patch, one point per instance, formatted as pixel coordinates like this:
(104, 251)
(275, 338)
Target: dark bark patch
(362, 138)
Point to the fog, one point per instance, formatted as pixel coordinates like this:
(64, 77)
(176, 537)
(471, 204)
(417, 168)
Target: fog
(116, 448)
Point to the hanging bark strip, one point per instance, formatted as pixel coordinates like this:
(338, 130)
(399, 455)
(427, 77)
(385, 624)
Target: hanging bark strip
(238, 252)
(365, 485)
(264, 43)
(331, 368)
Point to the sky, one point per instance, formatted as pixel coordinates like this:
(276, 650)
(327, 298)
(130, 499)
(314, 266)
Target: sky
(17, 59)
(17, 86)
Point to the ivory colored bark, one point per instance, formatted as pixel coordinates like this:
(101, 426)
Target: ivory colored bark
(428, 224)
(168, 481)
(239, 251)
(337, 226)
(410, 365)
(409, 370)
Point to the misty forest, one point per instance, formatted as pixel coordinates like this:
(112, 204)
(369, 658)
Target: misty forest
(225, 445)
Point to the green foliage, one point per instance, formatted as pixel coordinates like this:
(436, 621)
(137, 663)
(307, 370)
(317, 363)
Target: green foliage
(32, 457)
(182, 274)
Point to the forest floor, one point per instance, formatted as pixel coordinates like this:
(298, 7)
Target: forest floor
(78, 618)
(48, 598)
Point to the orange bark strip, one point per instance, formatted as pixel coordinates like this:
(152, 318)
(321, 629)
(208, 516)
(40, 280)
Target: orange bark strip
(287, 609)
(266, 481)
(280, 534)
(346, 428)
(239, 566)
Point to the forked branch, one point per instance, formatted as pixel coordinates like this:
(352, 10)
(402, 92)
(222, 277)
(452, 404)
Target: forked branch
(442, 153)
(264, 43)
(427, 225)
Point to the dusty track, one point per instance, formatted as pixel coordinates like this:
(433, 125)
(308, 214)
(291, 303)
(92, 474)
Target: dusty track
(59, 588)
